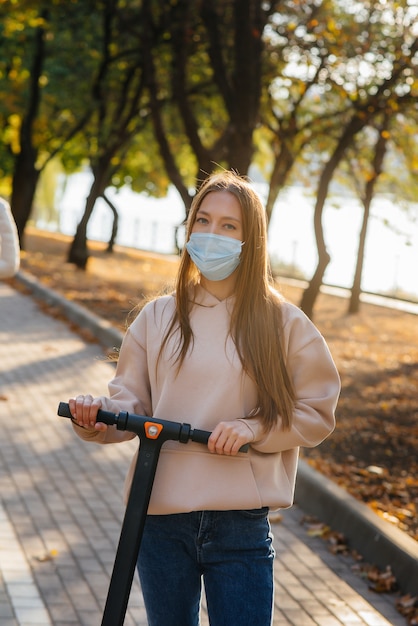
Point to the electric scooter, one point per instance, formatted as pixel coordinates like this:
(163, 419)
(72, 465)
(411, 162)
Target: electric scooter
(152, 433)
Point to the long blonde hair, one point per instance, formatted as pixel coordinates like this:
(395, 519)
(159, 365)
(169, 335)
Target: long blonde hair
(256, 320)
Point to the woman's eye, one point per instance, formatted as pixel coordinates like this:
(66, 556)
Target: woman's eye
(201, 220)
(229, 227)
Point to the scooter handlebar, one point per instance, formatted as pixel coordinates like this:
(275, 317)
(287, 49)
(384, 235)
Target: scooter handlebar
(135, 423)
(106, 417)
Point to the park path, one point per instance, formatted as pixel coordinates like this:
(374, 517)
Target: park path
(61, 506)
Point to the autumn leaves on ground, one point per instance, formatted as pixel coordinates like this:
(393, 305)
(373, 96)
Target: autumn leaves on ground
(373, 451)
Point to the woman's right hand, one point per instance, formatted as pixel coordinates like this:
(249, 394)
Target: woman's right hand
(84, 411)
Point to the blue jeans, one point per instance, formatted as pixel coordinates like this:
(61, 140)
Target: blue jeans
(231, 550)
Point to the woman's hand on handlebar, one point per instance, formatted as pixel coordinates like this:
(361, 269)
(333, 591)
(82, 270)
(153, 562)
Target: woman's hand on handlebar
(84, 411)
(228, 437)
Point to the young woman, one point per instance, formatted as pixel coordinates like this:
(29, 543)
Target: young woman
(227, 354)
(9, 242)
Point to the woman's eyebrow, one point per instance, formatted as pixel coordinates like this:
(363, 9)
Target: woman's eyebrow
(224, 217)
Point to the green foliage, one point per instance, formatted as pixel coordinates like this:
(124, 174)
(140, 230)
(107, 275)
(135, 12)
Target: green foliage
(277, 85)
(65, 75)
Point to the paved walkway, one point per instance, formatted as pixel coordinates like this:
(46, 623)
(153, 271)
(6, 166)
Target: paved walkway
(61, 506)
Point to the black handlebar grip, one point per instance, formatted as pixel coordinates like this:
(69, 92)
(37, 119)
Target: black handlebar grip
(102, 416)
(202, 436)
(64, 410)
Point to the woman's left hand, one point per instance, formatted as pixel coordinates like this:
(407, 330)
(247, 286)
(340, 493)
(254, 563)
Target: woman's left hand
(228, 437)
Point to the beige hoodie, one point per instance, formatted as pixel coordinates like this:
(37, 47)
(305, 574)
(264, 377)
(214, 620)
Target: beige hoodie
(211, 387)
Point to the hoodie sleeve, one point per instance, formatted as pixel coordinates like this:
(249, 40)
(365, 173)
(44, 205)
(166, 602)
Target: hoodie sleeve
(129, 390)
(9, 242)
(317, 388)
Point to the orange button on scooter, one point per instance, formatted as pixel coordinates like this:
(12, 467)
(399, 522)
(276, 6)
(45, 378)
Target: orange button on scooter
(152, 430)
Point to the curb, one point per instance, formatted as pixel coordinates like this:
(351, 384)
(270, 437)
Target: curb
(378, 541)
(106, 334)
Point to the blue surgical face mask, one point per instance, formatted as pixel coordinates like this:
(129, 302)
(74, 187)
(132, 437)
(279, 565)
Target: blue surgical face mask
(215, 256)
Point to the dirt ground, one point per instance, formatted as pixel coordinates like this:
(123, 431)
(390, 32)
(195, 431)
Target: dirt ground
(373, 451)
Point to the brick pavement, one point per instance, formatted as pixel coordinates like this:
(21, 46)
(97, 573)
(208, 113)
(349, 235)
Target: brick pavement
(61, 506)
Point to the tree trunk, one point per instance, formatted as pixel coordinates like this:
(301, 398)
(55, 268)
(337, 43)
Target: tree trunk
(78, 253)
(354, 303)
(282, 165)
(25, 175)
(311, 292)
(161, 137)
(250, 20)
(25, 180)
(115, 224)
(379, 155)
